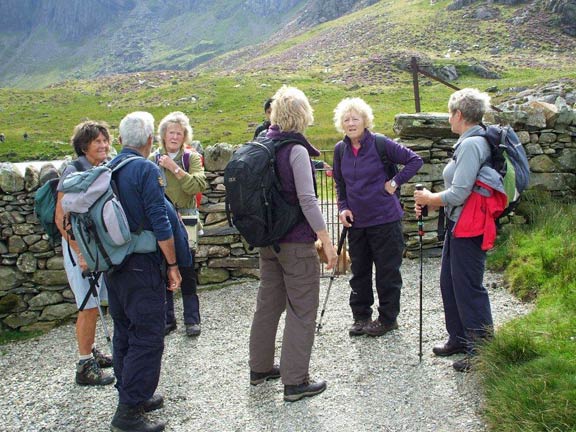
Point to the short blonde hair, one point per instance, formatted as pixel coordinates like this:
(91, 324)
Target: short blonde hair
(291, 110)
(359, 106)
(471, 102)
(176, 117)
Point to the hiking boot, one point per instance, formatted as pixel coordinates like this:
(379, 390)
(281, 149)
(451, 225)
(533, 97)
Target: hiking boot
(103, 360)
(89, 373)
(131, 419)
(169, 328)
(463, 365)
(193, 330)
(358, 327)
(308, 388)
(154, 403)
(448, 349)
(378, 328)
(259, 377)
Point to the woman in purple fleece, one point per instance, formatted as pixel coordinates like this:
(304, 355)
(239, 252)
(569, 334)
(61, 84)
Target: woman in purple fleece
(368, 204)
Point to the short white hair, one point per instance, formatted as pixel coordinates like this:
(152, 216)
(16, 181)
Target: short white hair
(357, 105)
(471, 102)
(136, 128)
(176, 117)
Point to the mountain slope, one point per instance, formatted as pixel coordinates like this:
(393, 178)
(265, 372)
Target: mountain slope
(372, 45)
(45, 41)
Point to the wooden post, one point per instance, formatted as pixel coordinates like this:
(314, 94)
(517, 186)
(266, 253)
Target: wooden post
(414, 65)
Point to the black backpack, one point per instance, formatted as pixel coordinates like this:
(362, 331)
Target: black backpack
(390, 168)
(255, 204)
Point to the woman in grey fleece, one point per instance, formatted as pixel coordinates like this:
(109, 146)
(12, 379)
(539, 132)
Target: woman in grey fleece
(466, 303)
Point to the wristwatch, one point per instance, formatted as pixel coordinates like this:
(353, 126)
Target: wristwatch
(177, 170)
(393, 183)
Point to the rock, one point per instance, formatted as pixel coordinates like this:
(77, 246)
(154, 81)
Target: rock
(45, 298)
(58, 312)
(553, 181)
(542, 164)
(10, 278)
(567, 159)
(208, 275)
(41, 327)
(27, 263)
(10, 303)
(216, 157)
(234, 262)
(10, 179)
(31, 178)
(16, 321)
(422, 124)
(50, 277)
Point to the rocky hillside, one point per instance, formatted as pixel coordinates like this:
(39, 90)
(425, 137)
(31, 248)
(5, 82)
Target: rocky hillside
(371, 46)
(348, 41)
(43, 41)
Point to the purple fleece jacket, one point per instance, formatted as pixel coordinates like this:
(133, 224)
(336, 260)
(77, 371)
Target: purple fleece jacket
(364, 177)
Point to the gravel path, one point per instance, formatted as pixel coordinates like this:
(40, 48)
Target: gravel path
(374, 384)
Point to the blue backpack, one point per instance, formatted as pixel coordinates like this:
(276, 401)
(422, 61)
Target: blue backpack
(508, 157)
(97, 220)
(45, 205)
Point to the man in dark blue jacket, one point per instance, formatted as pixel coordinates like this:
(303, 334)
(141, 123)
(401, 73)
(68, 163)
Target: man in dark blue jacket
(137, 289)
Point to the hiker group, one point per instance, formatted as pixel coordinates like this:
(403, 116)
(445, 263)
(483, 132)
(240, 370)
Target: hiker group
(271, 199)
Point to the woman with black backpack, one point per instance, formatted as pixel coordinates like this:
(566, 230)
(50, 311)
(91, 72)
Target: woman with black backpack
(290, 269)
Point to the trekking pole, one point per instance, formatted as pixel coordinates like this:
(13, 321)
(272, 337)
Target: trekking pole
(93, 280)
(332, 276)
(424, 212)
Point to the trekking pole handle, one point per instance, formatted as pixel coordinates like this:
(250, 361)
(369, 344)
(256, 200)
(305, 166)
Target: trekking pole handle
(424, 209)
(342, 239)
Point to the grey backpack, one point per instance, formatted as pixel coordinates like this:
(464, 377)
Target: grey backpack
(97, 220)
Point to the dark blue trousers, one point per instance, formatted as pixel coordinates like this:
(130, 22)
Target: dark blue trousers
(381, 246)
(466, 303)
(136, 296)
(190, 299)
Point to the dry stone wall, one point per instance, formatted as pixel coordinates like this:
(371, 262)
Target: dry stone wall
(34, 293)
(547, 132)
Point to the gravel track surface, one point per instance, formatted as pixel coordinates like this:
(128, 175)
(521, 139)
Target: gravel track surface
(374, 384)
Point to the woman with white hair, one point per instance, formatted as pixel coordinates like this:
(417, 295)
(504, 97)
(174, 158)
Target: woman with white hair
(290, 277)
(184, 178)
(467, 309)
(368, 203)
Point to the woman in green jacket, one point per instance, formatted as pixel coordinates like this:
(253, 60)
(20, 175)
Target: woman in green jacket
(184, 178)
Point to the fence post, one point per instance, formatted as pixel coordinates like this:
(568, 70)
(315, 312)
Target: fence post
(414, 65)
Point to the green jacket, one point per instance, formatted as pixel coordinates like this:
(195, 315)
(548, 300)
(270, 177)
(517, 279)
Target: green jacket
(182, 192)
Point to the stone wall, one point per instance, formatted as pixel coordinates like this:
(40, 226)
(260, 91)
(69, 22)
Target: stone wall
(34, 294)
(547, 132)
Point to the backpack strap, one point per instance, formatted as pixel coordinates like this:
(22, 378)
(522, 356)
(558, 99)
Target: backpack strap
(78, 165)
(186, 160)
(116, 164)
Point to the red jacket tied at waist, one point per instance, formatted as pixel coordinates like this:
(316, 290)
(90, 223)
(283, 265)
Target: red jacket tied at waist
(479, 214)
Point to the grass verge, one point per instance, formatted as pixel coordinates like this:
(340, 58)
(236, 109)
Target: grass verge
(529, 370)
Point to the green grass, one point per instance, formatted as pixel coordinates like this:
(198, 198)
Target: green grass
(14, 336)
(529, 370)
(227, 108)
